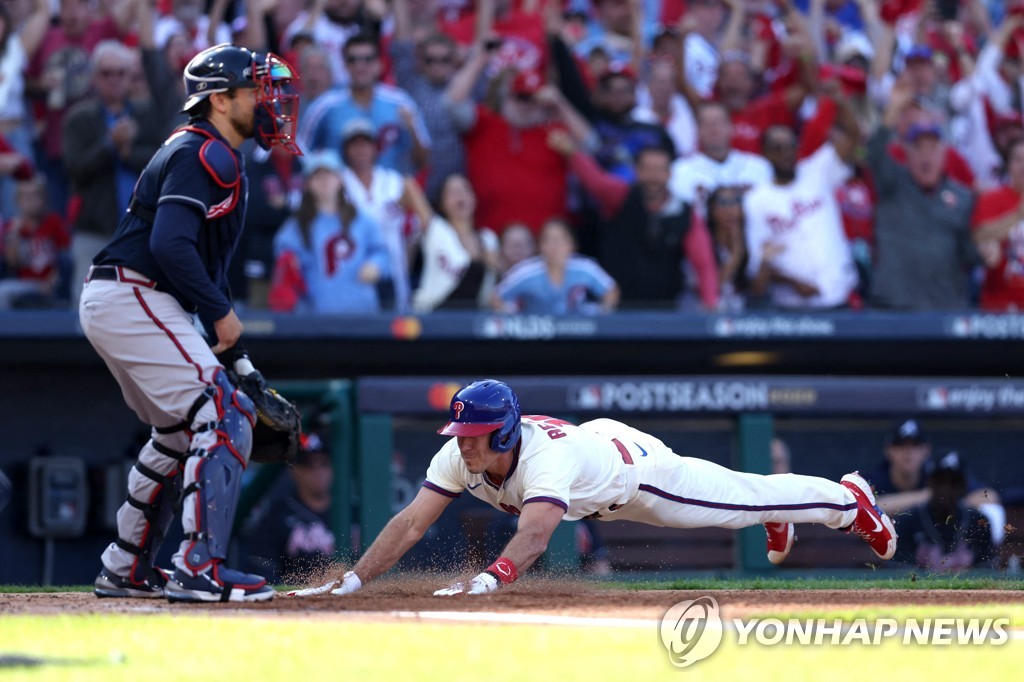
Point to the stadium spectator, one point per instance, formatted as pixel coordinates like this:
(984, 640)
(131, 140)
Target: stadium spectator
(288, 538)
(385, 196)
(557, 282)
(163, 66)
(330, 24)
(108, 139)
(660, 103)
(513, 31)
(460, 260)
(190, 18)
(517, 244)
(728, 236)
(424, 69)
(645, 232)
(717, 163)
(34, 243)
(922, 227)
(507, 157)
(699, 29)
(14, 166)
(735, 88)
(797, 250)
(998, 228)
(943, 534)
(315, 68)
(402, 138)
(615, 31)
(328, 256)
(918, 71)
(17, 44)
(986, 121)
(620, 134)
(59, 76)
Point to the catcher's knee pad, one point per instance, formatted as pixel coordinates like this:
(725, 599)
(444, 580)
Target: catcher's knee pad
(154, 487)
(213, 484)
(213, 473)
(232, 425)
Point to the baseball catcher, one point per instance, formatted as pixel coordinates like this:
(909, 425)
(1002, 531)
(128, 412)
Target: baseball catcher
(166, 265)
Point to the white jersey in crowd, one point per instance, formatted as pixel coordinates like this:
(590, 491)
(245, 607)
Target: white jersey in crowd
(382, 202)
(803, 218)
(445, 260)
(696, 177)
(701, 64)
(681, 126)
(609, 471)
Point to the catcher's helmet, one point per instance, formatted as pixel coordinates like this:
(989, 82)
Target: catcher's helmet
(483, 407)
(224, 67)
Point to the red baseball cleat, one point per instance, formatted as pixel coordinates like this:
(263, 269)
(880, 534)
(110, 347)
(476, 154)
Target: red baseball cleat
(872, 524)
(780, 541)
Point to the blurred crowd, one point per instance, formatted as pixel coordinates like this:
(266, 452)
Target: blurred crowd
(548, 156)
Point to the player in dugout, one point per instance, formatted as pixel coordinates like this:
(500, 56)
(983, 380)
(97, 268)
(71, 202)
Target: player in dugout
(545, 470)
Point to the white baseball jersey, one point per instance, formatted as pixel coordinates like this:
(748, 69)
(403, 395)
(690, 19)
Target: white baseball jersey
(803, 218)
(382, 202)
(681, 126)
(696, 177)
(701, 64)
(607, 470)
(556, 462)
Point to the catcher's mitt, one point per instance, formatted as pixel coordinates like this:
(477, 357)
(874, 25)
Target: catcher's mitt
(275, 438)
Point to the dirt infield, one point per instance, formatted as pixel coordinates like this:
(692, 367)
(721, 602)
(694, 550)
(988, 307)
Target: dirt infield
(580, 600)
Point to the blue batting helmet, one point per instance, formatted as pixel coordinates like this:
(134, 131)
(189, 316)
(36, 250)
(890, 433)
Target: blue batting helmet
(483, 407)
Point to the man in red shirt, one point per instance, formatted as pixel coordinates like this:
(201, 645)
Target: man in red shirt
(516, 176)
(33, 244)
(998, 226)
(518, 32)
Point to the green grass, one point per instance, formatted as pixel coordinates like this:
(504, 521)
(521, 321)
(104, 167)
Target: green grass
(12, 589)
(930, 582)
(276, 647)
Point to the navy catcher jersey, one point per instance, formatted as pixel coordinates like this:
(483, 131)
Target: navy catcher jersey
(197, 181)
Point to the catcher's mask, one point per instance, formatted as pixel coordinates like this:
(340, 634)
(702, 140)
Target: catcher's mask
(483, 407)
(224, 67)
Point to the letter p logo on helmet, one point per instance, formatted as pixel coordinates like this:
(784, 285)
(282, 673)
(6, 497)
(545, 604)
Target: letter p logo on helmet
(457, 407)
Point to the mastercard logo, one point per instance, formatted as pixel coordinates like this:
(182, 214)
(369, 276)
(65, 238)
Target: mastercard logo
(406, 329)
(439, 396)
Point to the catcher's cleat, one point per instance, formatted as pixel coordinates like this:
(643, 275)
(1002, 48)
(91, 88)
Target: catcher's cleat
(217, 584)
(780, 541)
(109, 584)
(872, 524)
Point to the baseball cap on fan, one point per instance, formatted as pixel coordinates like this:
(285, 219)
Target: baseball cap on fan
(919, 130)
(323, 159)
(527, 83)
(918, 53)
(357, 127)
(907, 432)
